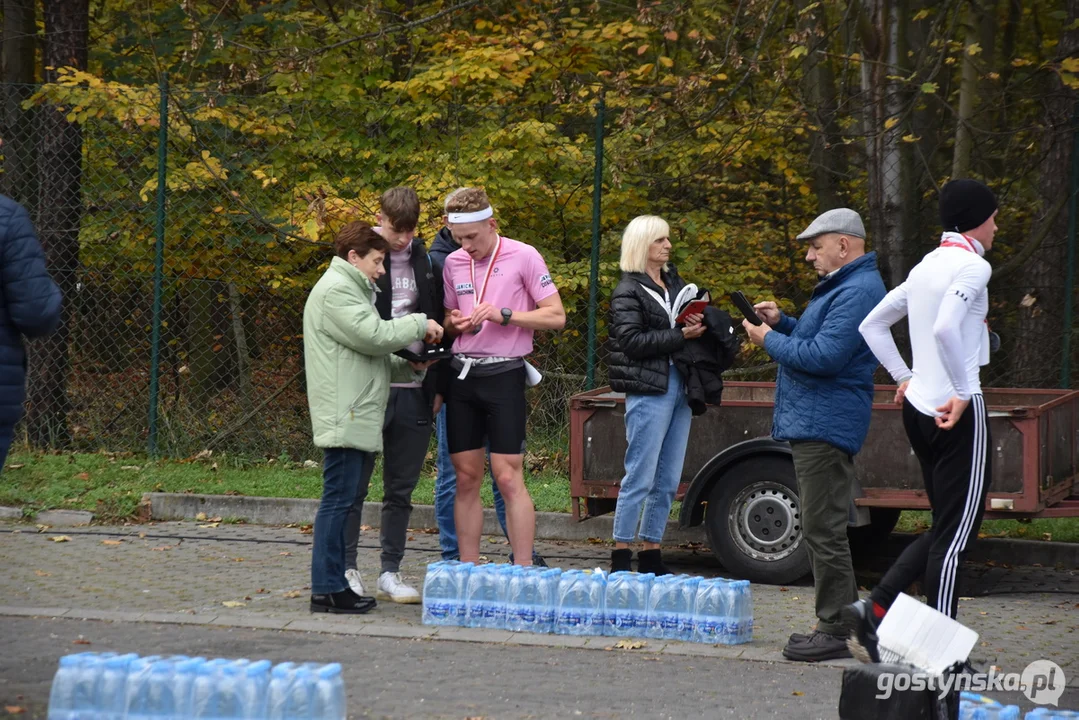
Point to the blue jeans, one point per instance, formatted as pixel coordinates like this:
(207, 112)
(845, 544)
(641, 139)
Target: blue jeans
(657, 430)
(446, 494)
(343, 470)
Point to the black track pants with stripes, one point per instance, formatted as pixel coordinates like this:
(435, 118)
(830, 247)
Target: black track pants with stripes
(956, 468)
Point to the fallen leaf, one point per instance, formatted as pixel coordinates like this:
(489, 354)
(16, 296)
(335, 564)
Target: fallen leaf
(630, 644)
(203, 454)
(365, 528)
(240, 559)
(15, 466)
(307, 529)
(112, 542)
(216, 519)
(310, 464)
(795, 597)
(210, 525)
(596, 540)
(163, 547)
(81, 641)
(130, 467)
(262, 590)
(142, 535)
(799, 693)
(83, 476)
(201, 516)
(1047, 537)
(782, 589)
(42, 528)
(14, 709)
(234, 603)
(286, 553)
(214, 467)
(293, 594)
(42, 573)
(247, 597)
(59, 538)
(1021, 627)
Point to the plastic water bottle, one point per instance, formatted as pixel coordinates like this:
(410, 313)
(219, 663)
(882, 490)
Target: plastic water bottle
(741, 630)
(329, 700)
(62, 693)
(204, 689)
(580, 603)
(112, 690)
(1044, 713)
(522, 594)
(486, 596)
(183, 681)
(627, 604)
(301, 695)
(664, 605)
(548, 603)
(251, 689)
(444, 592)
(711, 611)
(277, 691)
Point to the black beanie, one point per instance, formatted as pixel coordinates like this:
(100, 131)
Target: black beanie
(965, 204)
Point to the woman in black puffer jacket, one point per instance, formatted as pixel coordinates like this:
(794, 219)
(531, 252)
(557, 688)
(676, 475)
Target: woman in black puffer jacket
(643, 335)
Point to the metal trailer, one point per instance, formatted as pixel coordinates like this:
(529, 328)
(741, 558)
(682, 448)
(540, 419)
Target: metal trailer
(740, 483)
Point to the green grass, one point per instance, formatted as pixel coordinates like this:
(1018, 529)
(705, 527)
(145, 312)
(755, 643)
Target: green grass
(111, 485)
(1055, 529)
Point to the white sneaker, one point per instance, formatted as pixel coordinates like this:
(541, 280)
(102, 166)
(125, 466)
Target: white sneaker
(392, 587)
(355, 582)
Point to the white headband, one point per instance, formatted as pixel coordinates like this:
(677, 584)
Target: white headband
(471, 217)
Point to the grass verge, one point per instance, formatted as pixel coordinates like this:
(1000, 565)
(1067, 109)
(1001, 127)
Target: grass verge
(111, 485)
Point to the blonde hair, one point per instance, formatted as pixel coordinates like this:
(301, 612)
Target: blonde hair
(466, 200)
(641, 232)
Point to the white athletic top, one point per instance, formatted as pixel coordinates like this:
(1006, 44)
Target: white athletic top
(945, 301)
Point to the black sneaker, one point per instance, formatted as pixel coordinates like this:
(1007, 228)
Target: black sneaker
(861, 624)
(817, 647)
(345, 602)
(537, 560)
(798, 637)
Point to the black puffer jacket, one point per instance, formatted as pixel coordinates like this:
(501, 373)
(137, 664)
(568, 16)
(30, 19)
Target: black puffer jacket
(641, 337)
(702, 361)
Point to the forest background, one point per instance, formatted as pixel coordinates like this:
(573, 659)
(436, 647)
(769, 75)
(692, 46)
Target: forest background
(187, 164)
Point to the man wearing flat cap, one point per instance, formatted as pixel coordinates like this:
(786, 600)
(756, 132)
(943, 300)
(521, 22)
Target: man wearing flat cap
(824, 393)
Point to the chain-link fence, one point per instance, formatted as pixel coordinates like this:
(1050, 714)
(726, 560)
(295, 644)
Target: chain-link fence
(190, 285)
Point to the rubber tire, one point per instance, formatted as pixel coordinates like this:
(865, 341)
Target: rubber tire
(735, 478)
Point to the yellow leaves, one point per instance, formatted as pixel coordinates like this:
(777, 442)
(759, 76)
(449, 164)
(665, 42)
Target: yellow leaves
(891, 123)
(973, 49)
(539, 45)
(922, 14)
(666, 61)
(910, 138)
(234, 604)
(60, 538)
(1021, 62)
(1070, 64)
(642, 49)
(929, 88)
(671, 35)
(798, 51)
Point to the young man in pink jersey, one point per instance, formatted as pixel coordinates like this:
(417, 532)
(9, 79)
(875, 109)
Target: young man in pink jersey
(498, 292)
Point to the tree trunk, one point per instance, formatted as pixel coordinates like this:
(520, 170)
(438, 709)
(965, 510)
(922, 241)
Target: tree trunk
(1037, 358)
(968, 92)
(19, 179)
(819, 89)
(882, 30)
(59, 217)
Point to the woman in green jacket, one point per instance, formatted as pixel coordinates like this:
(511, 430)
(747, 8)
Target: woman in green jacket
(349, 363)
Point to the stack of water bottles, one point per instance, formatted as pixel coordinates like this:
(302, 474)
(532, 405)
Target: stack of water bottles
(582, 602)
(108, 686)
(979, 707)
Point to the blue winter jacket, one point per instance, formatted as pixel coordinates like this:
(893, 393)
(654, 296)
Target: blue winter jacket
(824, 389)
(29, 305)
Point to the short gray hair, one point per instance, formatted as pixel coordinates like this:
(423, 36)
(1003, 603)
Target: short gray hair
(641, 232)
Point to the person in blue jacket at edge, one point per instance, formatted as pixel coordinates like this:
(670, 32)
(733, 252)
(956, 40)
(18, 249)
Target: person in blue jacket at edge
(824, 394)
(29, 305)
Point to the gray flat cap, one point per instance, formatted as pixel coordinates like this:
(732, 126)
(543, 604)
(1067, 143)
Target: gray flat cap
(841, 220)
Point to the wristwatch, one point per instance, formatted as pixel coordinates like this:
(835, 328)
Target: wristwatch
(506, 315)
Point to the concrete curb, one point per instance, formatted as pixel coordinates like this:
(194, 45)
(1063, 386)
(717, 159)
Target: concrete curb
(370, 627)
(285, 511)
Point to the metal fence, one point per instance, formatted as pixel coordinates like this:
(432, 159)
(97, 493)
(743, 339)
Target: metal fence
(198, 228)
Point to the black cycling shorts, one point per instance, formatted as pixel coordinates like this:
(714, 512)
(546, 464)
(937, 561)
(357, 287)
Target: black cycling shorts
(487, 409)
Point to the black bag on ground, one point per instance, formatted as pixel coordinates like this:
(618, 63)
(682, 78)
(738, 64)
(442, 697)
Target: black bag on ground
(858, 699)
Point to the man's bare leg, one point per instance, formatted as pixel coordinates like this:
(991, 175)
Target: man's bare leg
(467, 508)
(508, 471)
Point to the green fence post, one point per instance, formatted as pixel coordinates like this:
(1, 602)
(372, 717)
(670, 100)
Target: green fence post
(1069, 283)
(159, 260)
(593, 275)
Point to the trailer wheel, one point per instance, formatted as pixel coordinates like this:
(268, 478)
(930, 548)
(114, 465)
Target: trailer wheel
(754, 524)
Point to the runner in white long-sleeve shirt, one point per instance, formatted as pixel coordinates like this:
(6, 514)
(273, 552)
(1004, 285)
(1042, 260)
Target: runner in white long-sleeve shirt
(945, 301)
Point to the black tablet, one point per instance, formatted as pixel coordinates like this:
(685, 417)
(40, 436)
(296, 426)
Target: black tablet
(430, 352)
(745, 307)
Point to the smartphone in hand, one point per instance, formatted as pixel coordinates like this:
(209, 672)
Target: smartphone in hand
(745, 307)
